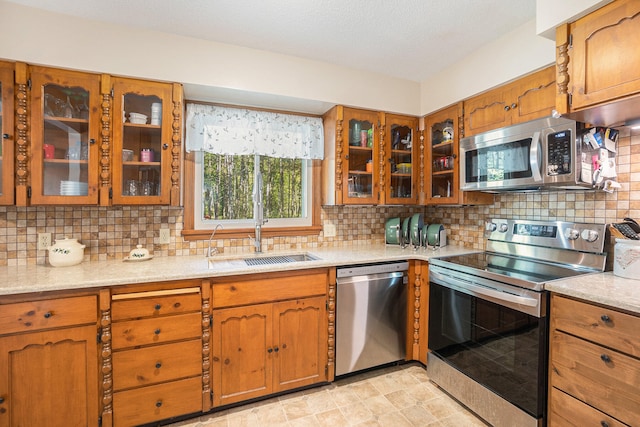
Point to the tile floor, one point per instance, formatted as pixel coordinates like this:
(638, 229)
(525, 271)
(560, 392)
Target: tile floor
(394, 397)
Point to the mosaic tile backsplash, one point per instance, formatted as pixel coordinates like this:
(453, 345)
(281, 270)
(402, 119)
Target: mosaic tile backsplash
(111, 232)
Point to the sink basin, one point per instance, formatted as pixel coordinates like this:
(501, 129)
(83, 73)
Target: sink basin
(257, 260)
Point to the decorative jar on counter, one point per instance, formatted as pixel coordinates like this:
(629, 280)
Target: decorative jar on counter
(626, 260)
(66, 252)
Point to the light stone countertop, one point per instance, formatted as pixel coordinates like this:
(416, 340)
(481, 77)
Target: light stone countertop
(45, 278)
(601, 288)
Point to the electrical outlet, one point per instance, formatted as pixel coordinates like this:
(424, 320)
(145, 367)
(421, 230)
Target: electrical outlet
(165, 236)
(329, 230)
(44, 241)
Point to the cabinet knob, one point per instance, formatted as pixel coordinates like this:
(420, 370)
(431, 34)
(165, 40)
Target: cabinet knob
(605, 358)
(158, 403)
(276, 349)
(1, 400)
(5, 135)
(165, 146)
(605, 318)
(92, 141)
(158, 365)
(157, 306)
(47, 315)
(346, 157)
(513, 106)
(269, 350)
(507, 108)
(157, 331)
(604, 424)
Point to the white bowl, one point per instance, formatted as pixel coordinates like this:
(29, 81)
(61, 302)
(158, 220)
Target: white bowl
(137, 118)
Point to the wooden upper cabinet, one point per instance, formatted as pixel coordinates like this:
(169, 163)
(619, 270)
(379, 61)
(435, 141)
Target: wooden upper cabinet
(352, 165)
(143, 142)
(8, 136)
(441, 184)
(398, 166)
(597, 59)
(65, 125)
(522, 100)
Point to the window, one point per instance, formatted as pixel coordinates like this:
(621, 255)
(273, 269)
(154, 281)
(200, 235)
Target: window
(232, 152)
(226, 184)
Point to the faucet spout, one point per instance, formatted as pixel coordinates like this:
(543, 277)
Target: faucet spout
(210, 250)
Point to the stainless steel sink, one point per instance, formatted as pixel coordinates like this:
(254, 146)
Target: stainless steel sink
(257, 260)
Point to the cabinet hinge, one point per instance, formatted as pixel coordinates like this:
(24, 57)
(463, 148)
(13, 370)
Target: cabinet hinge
(326, 304)
(100, 421)
(570, 98)
(211, 321)
(29, 192)
(112, 93)
(111, 193)
(29, 83)
(99, 337)
(570, 40)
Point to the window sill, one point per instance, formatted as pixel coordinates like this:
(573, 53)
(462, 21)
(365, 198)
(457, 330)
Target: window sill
(241, 233)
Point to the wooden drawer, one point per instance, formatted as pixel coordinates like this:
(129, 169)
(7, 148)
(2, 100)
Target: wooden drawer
(156, 364)
(156, 330)
(45, 314)
(253, 290)
(157, 402)
(601, 377)
(565, 411)
(148, 304)
(604, 326)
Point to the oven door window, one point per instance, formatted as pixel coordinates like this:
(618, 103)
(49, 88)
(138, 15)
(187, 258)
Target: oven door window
(501, 348)
(502, 162)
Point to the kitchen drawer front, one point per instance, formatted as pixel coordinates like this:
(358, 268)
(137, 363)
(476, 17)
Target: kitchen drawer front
(256, 291)
(156, 330)
(46, 314)
(600, 377)
(565, 411)
(604, 326)
(148, 304)
(156, 364)
(157, 402)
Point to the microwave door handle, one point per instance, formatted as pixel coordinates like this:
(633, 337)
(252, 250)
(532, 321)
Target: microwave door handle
(534, 160)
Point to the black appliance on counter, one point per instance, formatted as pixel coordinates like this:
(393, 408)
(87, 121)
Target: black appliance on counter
(488, 311)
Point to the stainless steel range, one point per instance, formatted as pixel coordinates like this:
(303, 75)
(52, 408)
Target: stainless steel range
(488, 331)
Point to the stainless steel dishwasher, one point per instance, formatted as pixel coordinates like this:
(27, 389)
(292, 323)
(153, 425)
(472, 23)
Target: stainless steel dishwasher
(371, 315)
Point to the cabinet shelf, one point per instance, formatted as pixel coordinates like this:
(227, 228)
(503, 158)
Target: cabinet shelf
(441, 173)
(359, 148)
(65, 162)
(401, 175)
(142, 125)
(141, 163)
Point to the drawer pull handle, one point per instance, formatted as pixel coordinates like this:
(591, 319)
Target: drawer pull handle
(158, 403)
(269, 350)
(157, 332)
(276, 349)
(47, 315)
(605, 358)
(1, 400)
(604, 424)
(158, 307)
(158, 365)
(605, 318)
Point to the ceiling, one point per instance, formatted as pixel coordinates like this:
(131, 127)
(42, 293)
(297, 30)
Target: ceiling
(408, 39)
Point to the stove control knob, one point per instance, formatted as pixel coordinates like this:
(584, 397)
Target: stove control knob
(589, 235)
(490, 226)
(503, 227)
(571, 233)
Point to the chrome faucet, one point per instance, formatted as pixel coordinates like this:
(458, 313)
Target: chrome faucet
(213, 251)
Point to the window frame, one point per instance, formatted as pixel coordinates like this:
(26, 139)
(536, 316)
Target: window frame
(191, 231)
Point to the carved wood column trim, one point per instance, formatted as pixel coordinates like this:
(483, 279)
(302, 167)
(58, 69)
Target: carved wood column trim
(176, 144)
(417, 292)
(105, 141)
(22, 135)
(106, 357)
(331, 317)
(339, 151)
(381, 162)
(562, 69)
(421, 163)
(206, 346)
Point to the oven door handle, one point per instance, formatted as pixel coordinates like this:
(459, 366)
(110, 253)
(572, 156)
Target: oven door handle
(474, 289)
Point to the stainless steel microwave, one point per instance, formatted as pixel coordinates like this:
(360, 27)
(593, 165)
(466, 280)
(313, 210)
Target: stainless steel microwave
(540, 154)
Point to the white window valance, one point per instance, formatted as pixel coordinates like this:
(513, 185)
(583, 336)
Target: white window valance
(226, 130)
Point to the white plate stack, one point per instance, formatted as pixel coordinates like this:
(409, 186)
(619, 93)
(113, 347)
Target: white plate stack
(73, 188)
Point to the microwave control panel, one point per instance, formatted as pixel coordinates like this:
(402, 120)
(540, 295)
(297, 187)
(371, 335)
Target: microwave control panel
(559, 152)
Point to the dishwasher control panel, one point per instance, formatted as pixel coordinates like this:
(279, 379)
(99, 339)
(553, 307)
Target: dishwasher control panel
(364, 269)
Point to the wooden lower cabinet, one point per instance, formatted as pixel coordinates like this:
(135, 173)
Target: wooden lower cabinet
(267, 348)
(157, 339)
(49, 363)
(594, 365)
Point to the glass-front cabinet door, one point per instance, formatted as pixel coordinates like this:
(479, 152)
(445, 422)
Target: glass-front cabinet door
(141, 142)
(441, 159)
(401, 167)
(361, 164)
(64, 116)
(8, 137)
